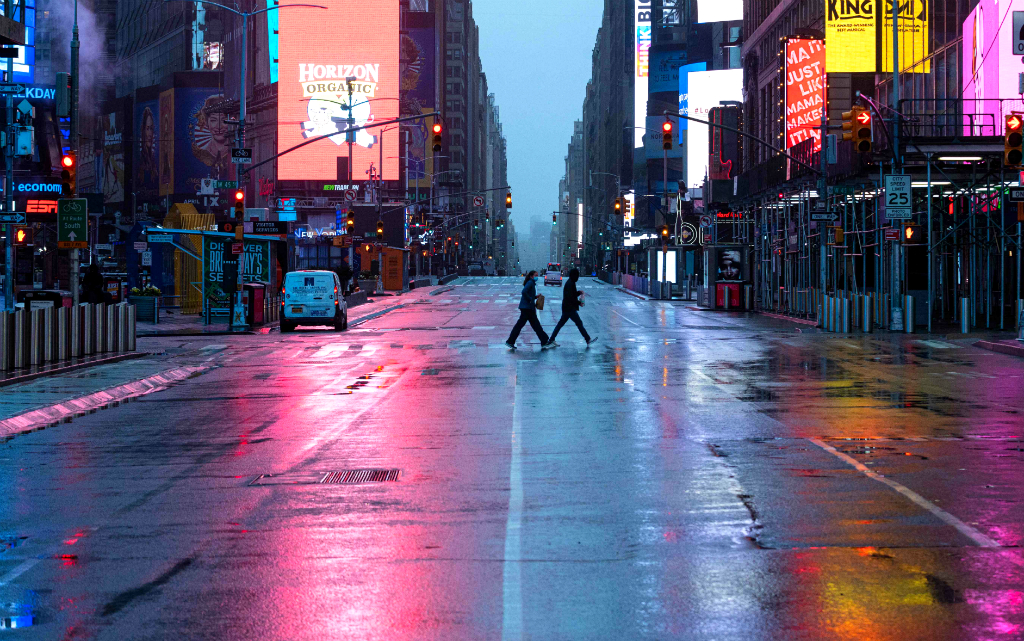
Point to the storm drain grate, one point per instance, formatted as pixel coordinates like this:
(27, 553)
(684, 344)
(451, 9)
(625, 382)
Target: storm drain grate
(361, 476)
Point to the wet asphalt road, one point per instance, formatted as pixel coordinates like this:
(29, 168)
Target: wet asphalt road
(693, 475)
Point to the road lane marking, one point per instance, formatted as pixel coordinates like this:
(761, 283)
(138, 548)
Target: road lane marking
(979, 539)
(939, 344)
(625, 319)
(20, 569)
(512, 578)
(484, 327)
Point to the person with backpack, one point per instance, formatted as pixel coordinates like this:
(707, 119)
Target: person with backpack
(571, 310)
(528, 312)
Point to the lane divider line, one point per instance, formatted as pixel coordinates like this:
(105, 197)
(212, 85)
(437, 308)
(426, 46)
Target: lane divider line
(512, 578)
(65, 411)
(973, 534)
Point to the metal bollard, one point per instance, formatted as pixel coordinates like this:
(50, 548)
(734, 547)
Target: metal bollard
(131, 328)
(908, 314)
(22, 335)
(965, 315)
(1020, 319)
(866, 312)
(63, 333)
(88, 332)
(122, 327)
(844, 309)
(855, 314)
(99, 327)
(725, 299)
(35, 337)
(6, 341)
(49, 334)
(110, 339)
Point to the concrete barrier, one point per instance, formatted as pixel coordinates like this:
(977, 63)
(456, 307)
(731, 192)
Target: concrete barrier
(356, 299)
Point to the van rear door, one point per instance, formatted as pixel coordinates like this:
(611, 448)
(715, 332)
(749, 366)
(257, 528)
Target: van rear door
(310, 295)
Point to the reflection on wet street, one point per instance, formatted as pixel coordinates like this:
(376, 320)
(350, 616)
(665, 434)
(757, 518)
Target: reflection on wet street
(693, 475)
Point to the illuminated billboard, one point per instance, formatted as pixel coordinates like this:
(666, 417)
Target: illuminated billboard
(719, 10)
(319, 68)
(850, 27)
(913, 36)
(705, 89)
(805, 75)
(990, 70)
(641, 68)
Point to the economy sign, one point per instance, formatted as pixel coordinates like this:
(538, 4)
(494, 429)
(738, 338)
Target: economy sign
(335, 64)
(805, 75)
(850, 27)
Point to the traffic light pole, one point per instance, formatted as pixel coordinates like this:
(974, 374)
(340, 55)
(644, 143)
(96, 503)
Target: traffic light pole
(73, 143)
(896, 322)
(9, 196)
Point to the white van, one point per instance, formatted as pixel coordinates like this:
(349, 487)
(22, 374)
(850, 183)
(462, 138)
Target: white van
(313, 297)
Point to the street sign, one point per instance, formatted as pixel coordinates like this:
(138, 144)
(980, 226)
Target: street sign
(350, 195)
(1015, 194)
(831, 149)
(705, 221)
(206, 187)
(226, 227)
(141, 246)
(241, 156)
(12, 219)
(236, 248)
(892, 233)
(824, 215)
(478, 201)
(225, 184)
(160, 238)
(1018, 26)
(897, 197)
(269, 227)
(147, 259)
(342, 241)
(72, 223)
(12, 88)
(104, 247)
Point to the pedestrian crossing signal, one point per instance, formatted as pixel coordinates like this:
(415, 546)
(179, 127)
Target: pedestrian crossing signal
(913, 234)
(24, 236)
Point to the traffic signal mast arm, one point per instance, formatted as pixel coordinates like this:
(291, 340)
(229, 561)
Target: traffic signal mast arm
(754, 138)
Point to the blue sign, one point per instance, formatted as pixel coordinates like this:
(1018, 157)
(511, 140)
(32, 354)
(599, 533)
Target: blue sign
(684, 94)
(25, 63)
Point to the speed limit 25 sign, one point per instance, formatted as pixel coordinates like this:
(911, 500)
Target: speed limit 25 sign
(897, 197)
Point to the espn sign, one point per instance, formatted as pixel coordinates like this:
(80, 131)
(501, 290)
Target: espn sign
(36, 206)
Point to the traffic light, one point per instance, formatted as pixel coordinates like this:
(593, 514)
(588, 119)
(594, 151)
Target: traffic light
(351, 222)
(508, 199)
(437, 128)
(24, 236)
(68, 171)
(618, 205)
(666, 135)
(912, 234)
(1012, 140)
(239, 214)
(554, 219)
(857, 128)
(664, 232)
(380, 227)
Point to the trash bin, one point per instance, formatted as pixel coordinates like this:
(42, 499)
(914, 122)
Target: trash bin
(255, 293)
(42, 298)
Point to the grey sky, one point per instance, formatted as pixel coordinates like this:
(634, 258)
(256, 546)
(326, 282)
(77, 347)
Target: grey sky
(536, 54)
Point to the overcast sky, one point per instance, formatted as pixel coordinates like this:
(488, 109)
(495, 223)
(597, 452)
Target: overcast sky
(536, 54)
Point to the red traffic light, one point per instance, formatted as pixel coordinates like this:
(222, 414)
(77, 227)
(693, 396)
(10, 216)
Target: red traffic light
(864, 118)
(1013, 123)
(239, 195)
(666, 126)
(68, 161)
(437, 128)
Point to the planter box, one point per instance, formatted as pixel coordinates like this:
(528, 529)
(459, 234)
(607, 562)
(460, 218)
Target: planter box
(147, 308)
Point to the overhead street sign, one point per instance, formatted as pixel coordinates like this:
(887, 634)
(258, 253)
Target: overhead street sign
(160, 238)
(826, 215)
(241, 156)
(16, 89)
(72, 223)
(897, 197)
(225, 184)
(350, 195)
(1015, 194)
(12, 218)
(478, 201)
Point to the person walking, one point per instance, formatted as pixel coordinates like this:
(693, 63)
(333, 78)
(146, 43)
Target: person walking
(528, 312)
(571, 310)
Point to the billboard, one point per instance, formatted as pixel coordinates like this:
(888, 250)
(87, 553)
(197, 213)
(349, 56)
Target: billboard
(664, 70)
(417, 66)
(850, 27)
(145, 148)
(719, 10)
(988, 39)
(913, 36)
(805, 81)
(315, 98)
(202, 138)
(641, 67)
(112, 163)
(25, 61)
(706, 89)
(684, 95)
(165, 152)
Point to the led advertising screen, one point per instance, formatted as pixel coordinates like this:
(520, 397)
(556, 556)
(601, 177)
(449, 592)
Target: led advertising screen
(913, 36)
(706, 89)
(316, 56)
(850, 27)
(641, 67)
(805, 75)
(719, 10)
(990, 70)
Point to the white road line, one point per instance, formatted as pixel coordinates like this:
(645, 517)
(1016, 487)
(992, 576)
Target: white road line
(625, 319)
(20, 569)
(939, 345)
(512, 578)
(979, 539)
(484, 327)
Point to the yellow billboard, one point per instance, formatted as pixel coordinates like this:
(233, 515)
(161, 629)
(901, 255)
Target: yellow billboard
(850, 27)
(913, 36)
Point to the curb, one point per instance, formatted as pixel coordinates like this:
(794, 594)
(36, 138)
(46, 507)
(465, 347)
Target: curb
(632, 293)
(66, 411)
(24, 378)
(791, 319)
(262, 329)
(368, 317)
(441, 291)
(1001, 347)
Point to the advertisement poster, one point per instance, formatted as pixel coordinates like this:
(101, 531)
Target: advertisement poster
(202, 138)
(256, 265)
(683, 74)
(730, 264)
(720, 10)
(316, 95)
(850, 27)
(113, 157)
(146, 148)
(421, 140)
(641, 66)
(417, 68)
(165, 152)
(805, 81)
(913, 38)
(706, 89)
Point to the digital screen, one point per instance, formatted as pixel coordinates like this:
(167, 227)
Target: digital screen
(913, 36)
(985, 42)
(805, 75)
(706, 89)
(316, 99)
(641, 66)
(850, 27)
(719, 10)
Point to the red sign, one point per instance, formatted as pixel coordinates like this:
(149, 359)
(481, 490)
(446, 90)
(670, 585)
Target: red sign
(805, 79)
(236, 248)
(318, 50)
(892, 233)
(41, 207)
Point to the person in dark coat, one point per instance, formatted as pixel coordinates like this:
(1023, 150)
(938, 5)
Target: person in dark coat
(528, 312)
(93, 285)
(571, 309)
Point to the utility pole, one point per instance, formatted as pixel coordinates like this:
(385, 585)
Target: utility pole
(350, 135)
(75, 258)
(896, 319)
(9, 194)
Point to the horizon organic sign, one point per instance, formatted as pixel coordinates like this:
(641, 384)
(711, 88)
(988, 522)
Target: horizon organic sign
(805, 81)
